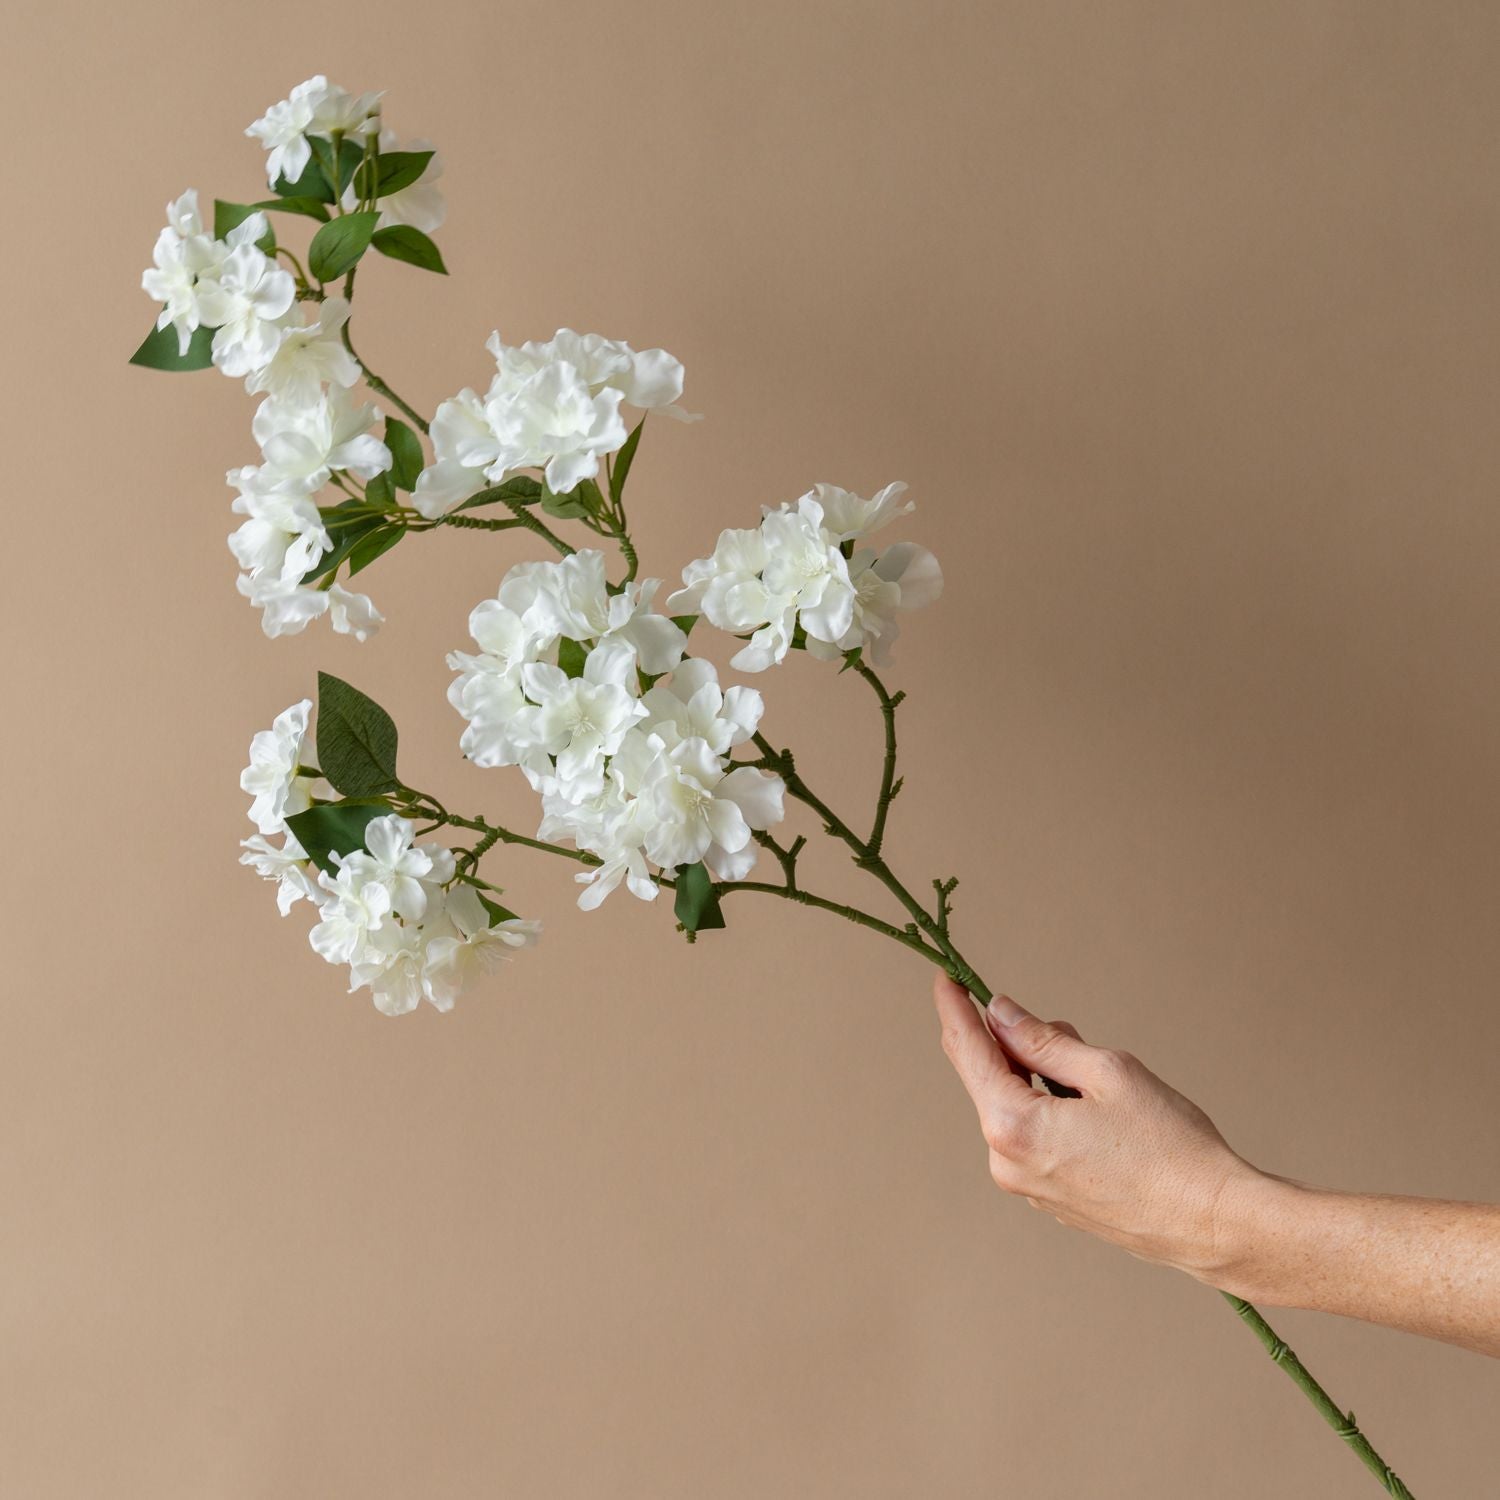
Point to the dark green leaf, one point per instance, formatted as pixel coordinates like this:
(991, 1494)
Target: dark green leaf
(571, 656)
(402, 242)
(371, 546)
(380, 492)
(685, 623)
(397, 170)
(584, 499)
(159, 352)
(623, 461)
(697, 904)
(521, 488)
(338, 245)
(497, 913)
(356, 740)
(334, 828)
(311, 184)
(344, 535)
(406, 450)
(229, 216)
(310, 207)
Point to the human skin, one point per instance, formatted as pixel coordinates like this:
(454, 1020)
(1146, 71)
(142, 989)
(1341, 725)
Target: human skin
(1135, 1163)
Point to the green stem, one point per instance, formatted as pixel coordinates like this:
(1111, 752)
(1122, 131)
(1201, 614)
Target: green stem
(533, 522)
(478, 523)
(1342, 1422)
(372, 380)
(848, 913)
(494, 834)
(889, 786)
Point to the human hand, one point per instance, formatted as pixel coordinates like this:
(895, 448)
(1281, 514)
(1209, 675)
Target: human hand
(1131, 1161)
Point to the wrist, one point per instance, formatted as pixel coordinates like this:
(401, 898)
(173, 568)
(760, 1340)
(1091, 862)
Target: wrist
(1251, 1232)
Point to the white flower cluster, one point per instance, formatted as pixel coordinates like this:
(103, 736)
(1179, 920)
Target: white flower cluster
(394, 911)
(308, 428)
(317, 109)
(631, 769)
(229, 285)
(801, 567)
(553, 406)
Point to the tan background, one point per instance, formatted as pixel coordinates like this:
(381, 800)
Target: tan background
(1181, 322)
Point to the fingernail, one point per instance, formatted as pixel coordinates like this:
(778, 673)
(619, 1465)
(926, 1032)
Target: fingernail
(1004, 1011)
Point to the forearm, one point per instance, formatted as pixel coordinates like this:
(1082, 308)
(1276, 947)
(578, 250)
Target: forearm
(1424, 1265)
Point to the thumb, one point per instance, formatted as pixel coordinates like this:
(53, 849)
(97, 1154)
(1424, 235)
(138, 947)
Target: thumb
(1049, 1049)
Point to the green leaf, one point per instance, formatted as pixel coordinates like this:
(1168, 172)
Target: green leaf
(338, 245)
(406, 450)
(521, 488)
(310, 207)
(584, 499)
(345, 534)
(402, 242)
(685, 623)
(697, 904)
(229, 216)
(311, 184)
(497, 913)
(380, 492)
(372, 545)
(356, 740)
(571, 656)
(334, 828)
(623, 461)
(397, 170)
(159, 351)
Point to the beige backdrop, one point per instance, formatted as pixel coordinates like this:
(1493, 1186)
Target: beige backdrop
(1181, 322)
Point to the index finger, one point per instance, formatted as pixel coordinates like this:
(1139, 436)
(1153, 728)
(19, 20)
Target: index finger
(977, 1058)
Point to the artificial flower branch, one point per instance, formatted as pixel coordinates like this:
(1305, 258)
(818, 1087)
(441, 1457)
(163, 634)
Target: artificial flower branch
(576, 680)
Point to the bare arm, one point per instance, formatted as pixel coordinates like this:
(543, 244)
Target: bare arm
(1139, 1165)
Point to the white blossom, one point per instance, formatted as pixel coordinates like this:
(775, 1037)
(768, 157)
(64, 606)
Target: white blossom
(462, 445)
(284, 535)
(183, 252)
(308, 356)
(389, 859)
(243, 298)
(651, 379)
(288, 607)
(549, 419)
(315, 108)
(469, 946)
(307, 443)
(271, 777)
(351, 912)
(798, 569)
(288, 866)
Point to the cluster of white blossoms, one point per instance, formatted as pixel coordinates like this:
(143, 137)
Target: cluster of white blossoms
(293, 353)
(553, 406)
(632, 769)
(801, 567)
(395, 911)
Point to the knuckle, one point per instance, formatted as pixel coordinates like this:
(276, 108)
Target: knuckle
(1008, 1132)
(1003, 1173)
(1114, 1065)
(953, 1040)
